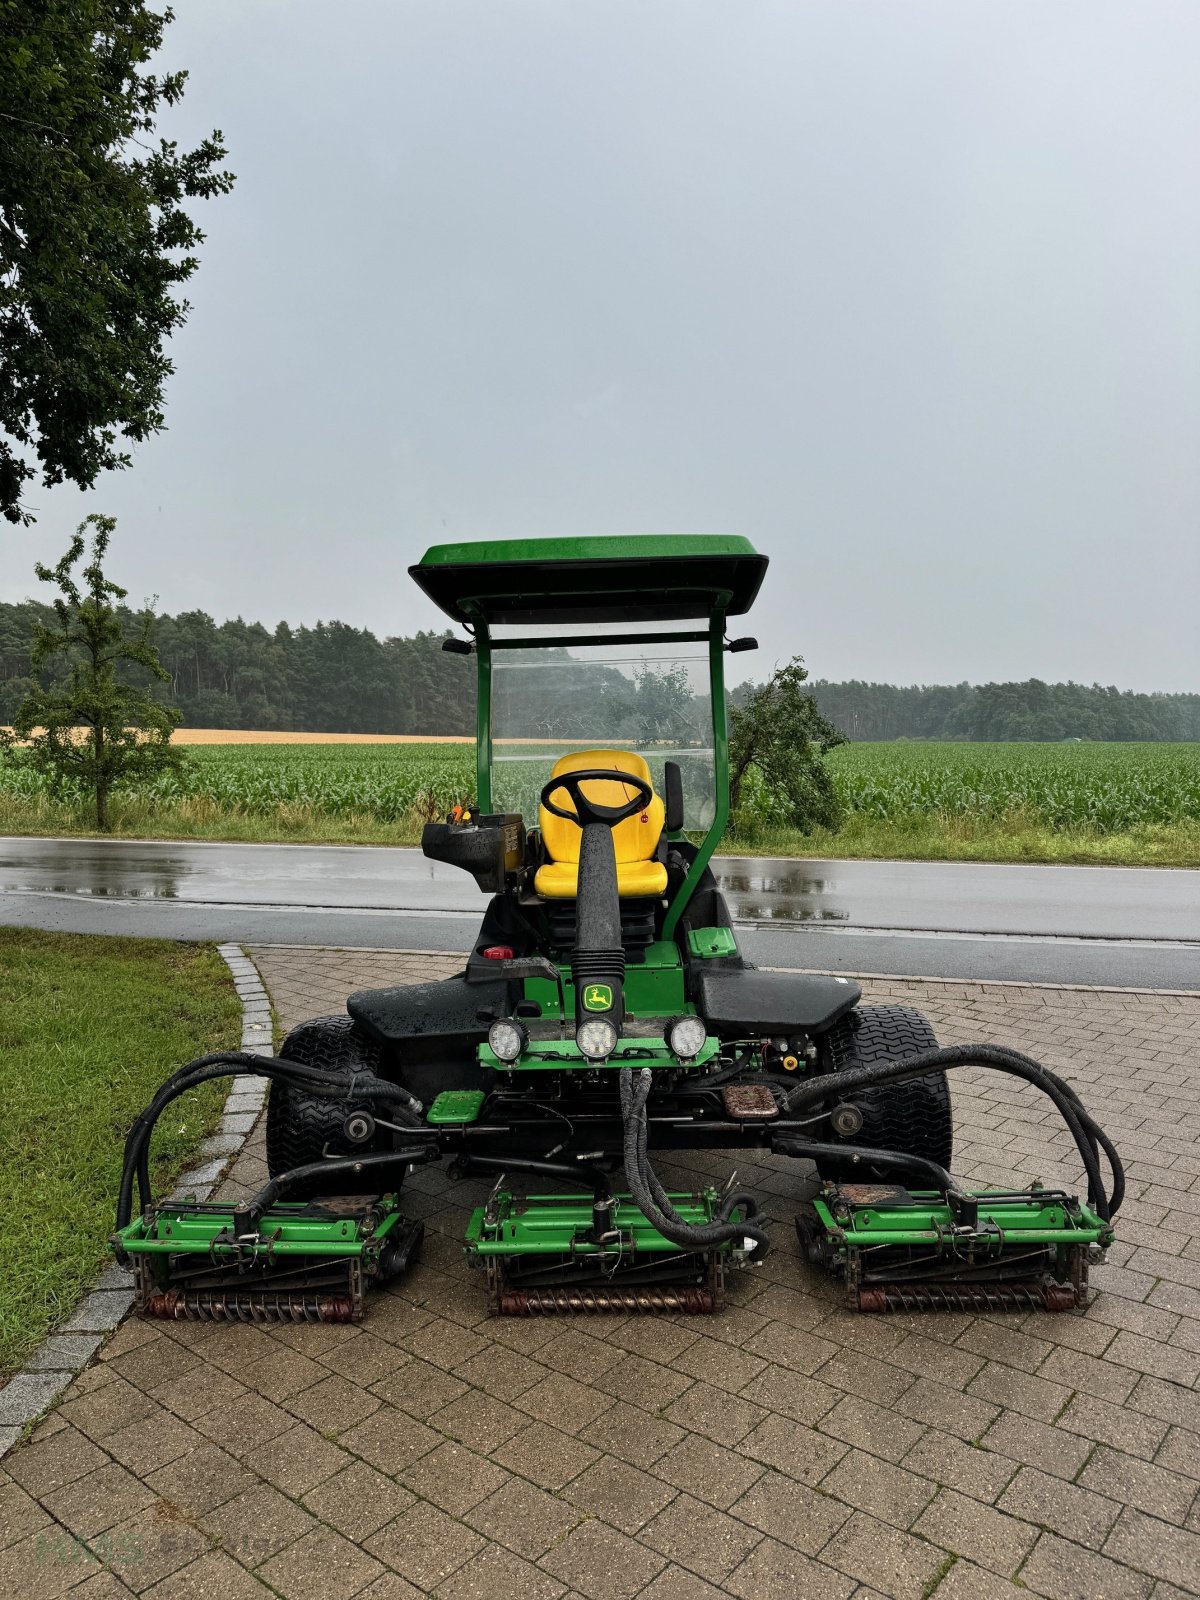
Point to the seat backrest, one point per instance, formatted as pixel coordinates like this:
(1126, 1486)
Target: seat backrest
(635, 839)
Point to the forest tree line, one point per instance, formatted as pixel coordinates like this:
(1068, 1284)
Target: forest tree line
(334, 678)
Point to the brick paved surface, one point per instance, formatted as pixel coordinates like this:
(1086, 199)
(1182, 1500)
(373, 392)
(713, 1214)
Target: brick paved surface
(782, 1449)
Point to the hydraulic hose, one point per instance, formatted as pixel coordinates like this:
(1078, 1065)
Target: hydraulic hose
(1090, 1139)
(248, 1215)
(652, 1198)
(233, 1064)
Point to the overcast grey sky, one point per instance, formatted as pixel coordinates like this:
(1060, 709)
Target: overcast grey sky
(904, 290)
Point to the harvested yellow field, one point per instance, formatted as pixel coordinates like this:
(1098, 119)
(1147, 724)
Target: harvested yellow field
(258, 736)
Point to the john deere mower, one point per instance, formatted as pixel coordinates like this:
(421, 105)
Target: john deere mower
(606, 1014)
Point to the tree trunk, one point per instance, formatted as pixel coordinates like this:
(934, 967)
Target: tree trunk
(101, 782)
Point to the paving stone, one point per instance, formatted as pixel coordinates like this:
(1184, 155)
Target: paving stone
(885, 1491)
(971, 1469)
(213, 1577)
(711, 1472)
(149, 1546)
(198, 1391)
(644, 1383)
(982, 1534)
(1034, 1444)
(102, 1586)
(152, 1442)
(20, 1514)
(1155, 1547)
(873, 1380)
(245, 1423)
(1064, 1571)
(390, 1440)
(322, 1562)
(1104, 1378)
(298, 1460)
(718, 1416)
(619, 1494)
(790, 1513)
(47, 1464)
(1115, 1425)
(773, 1571)
(1064, 1508)
(453, 1478)
(202, 1478)
(1167, 1401)
(601, 1563)
(560, 1400)
(357, 1501)
(871, 1427)
(673, 1583)
(633, 1435)
(526, 1519)
(479, 1421)
(333, 1405)
(545, 1456)
(792, 1394)
(419, 1388)
(895, 1563)
(257, 1524)
(424, 1545)
(948, 1409)
(498, 1574)
(953, 1365)
(45, 1564)
(793, 1449)
(964, 1581)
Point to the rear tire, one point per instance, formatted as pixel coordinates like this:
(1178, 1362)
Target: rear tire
(303, 1127)
(913, 1117)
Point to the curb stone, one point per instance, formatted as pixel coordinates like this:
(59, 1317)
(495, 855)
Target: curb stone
(68, 1349)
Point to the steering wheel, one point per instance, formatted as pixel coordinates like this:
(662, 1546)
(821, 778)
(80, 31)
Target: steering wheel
(587, 810)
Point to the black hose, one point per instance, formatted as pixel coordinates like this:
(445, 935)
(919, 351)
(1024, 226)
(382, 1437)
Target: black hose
(249, 1213)
(647, 1190)
(233, 1064)
(897, 1160)
(1088, 1136)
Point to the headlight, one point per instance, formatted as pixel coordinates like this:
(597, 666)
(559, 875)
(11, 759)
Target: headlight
(507, 1039)
(597, 1038)
(686, 1036)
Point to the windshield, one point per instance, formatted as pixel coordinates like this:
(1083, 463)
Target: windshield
(554, 701)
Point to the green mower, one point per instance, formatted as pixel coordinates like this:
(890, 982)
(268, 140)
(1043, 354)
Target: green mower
(604, 1014)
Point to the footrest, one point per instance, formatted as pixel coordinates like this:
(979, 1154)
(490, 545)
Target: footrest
(749, 1102)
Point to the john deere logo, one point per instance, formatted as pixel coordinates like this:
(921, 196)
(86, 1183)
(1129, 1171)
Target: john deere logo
(597, 997)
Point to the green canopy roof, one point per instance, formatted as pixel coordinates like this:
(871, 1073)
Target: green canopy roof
(647, 578)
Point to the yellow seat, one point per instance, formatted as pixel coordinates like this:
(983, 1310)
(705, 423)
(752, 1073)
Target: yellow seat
(635, 840)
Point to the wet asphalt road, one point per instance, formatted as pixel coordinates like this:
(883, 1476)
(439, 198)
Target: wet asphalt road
(1112, 925)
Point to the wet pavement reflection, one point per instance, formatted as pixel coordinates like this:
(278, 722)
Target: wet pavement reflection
(952, 897)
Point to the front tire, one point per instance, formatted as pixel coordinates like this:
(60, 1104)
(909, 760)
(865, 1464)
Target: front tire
(914, 1117)
(303, 1127)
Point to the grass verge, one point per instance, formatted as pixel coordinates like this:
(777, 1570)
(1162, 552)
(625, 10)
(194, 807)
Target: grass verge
(933, 837)
(939, 837)
(89, 1027)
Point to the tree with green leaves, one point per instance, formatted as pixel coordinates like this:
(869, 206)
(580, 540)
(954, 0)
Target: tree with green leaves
(777, 739)
(94, 237)
(94, 726)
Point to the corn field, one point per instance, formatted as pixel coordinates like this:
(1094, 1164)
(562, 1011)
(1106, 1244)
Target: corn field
(1093, 788)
